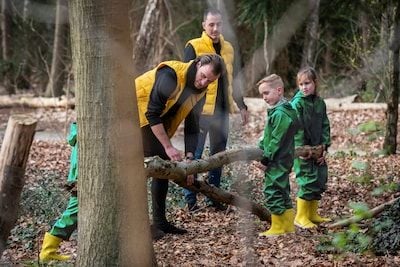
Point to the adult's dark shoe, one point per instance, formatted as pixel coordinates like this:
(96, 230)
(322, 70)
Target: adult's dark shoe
(172, 229)
(156, 233)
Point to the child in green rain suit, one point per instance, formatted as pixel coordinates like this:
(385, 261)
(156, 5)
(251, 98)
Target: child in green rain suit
(278, 146)
(311, 173)
(67, 223)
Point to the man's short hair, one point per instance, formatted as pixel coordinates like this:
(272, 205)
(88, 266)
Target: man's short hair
(215, 60)
(212, 11)
(272, 80)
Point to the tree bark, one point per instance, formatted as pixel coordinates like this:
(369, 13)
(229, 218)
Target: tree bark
(13, 157)
(113, 225)
(5, 44)
(175, 170)
(57, 73)
(390, 142)
(311, 34)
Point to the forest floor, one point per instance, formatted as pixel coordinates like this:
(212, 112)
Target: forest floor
(358, 173)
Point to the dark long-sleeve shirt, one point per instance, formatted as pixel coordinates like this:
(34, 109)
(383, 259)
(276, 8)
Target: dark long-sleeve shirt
(164, 85)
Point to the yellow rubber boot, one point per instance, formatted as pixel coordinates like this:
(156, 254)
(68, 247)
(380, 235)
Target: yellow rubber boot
(302, 219)
(49, 249)
(280, 224)
(289, 220)
(314, 216)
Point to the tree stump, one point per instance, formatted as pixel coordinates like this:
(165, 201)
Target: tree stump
(13, 157)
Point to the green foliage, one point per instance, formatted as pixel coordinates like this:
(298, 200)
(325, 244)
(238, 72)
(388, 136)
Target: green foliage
(382, 237)
(388, 187)
(370, 127)
(44, 201)
(365, 176)
(252, 12)
(344, 154)
(353, 239)
(360, 209)
(386, 231)
(360, 165)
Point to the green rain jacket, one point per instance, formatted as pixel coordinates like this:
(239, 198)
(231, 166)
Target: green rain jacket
(73, 169)
(315, 128)
(277, 142)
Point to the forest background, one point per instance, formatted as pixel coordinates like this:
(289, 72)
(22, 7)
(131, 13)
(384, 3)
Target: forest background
(347, 42)
(353, 45)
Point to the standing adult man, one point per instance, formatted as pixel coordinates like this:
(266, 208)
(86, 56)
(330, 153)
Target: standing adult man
(218, 101)
(166, 96)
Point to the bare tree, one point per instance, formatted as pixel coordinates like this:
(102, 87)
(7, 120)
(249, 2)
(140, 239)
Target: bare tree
(113, 221)
(144, 49)
(390, 142)
(57, 73)
(310, 42)
(5, 44)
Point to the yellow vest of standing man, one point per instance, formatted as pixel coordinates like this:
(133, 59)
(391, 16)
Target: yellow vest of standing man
(144, 84)
(204, 45)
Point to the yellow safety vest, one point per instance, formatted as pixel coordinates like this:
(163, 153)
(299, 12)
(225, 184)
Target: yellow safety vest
(144, 84)
(204, 45)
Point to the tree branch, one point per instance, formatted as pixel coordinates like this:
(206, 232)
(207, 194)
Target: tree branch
(355, 219)
(177, 171)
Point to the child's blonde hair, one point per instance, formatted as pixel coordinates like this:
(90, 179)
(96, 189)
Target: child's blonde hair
(309, 73)
(272, 80)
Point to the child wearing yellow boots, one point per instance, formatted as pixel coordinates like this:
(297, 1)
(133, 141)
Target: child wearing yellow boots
(278, 146)
(311, 173)
(67, 223)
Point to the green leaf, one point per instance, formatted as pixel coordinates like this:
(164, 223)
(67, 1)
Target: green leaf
(360, 165)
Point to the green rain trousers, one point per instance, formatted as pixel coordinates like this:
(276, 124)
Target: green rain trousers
(315, 130)
(68, 222)
(311, 178)
(278, 146)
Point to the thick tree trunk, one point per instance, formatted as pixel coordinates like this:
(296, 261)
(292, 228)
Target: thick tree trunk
(57, 73)
(113, 225)
(13, 157)
(5, 44)
(311, 34)
(390, 142)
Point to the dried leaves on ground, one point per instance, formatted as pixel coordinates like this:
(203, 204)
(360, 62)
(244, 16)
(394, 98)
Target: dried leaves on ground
(357, 173)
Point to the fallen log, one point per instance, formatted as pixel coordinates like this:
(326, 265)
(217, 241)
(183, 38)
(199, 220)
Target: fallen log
(30, 101)
(178, 171)
(370, 214)
(13, 157)
(174, 170)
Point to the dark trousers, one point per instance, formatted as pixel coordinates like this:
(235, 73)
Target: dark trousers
(159, 187)
(217, 126)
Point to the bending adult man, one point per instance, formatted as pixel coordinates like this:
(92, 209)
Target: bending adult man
(219, 98)
(166, 96)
